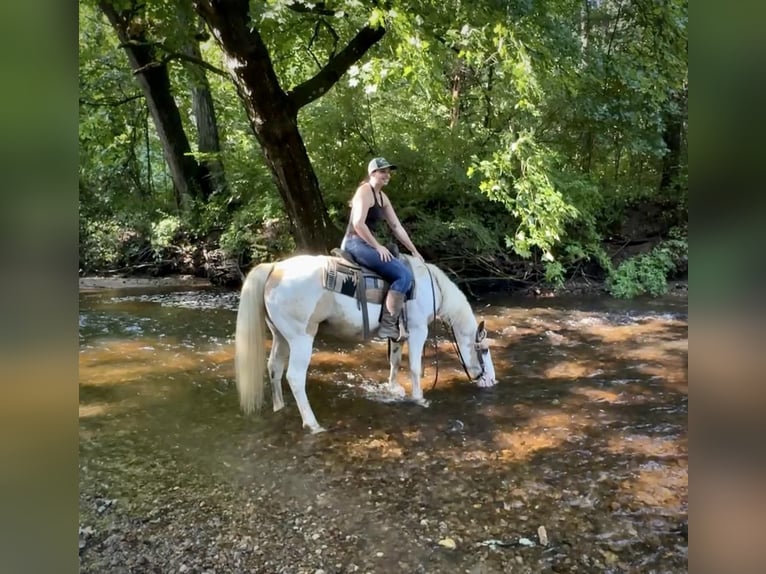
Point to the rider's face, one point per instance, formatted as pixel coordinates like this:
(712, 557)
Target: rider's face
(384, 175)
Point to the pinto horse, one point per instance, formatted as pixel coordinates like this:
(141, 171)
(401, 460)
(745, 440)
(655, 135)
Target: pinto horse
(288, 296)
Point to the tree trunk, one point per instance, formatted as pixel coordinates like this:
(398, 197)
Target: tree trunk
(208, 141)
(587, 157)
(203, 108)
(588, 139)
(457, 76)
(488, 111)
(189, 178)
(275, 125)
(273, 114)
(671, 161)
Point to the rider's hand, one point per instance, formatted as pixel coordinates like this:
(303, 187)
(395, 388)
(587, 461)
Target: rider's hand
(417, 254)
(385, 254)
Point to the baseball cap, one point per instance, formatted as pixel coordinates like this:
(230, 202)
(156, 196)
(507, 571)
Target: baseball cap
(379, 163)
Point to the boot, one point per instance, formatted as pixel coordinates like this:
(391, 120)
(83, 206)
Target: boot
(392, 310)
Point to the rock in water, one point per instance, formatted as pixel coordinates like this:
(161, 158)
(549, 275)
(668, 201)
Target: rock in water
(447, 543)
(542, 535)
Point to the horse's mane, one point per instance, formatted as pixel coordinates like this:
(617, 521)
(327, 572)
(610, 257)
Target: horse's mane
(454, 308)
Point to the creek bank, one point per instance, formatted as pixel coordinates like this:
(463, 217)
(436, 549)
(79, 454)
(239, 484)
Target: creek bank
(94, 283)
(474, 289)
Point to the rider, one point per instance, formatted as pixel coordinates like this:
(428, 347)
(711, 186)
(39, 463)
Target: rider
(368, 206)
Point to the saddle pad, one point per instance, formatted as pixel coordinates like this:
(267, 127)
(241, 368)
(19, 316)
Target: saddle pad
(341, 277)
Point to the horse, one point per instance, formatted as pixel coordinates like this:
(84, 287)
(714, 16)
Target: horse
(288, 296)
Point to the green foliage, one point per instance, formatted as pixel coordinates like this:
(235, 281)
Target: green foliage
(575, 254)
(100, 245)
(648, 273)
(517, 177)
(554, 273)
(164, 231)
(638, 275)
(241, 240)
(257, 233)
(530, 128)
(452, 235)
(241, 237)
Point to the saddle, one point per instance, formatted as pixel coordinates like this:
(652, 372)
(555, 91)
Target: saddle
(342, 274)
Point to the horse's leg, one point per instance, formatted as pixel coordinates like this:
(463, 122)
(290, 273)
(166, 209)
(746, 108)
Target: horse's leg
(277, 362)
(297, 367)
(395, 359)
(416, 342)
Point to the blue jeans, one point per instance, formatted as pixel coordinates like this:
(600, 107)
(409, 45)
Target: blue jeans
(394, 271)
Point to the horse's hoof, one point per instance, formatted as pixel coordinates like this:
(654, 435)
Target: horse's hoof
(422, 402)
(486, 384)
(278, 407)
(397, 391)
(317, 429)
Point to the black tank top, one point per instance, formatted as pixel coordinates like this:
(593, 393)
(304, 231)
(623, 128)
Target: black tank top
(374, 214)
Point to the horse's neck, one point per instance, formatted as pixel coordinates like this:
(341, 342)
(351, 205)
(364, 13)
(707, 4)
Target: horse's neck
(453, 307)
(460, 316)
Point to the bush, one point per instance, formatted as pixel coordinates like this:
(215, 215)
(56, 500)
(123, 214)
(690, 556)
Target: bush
(100, 245)
(648, 273)
(164, 232)
(554, 273)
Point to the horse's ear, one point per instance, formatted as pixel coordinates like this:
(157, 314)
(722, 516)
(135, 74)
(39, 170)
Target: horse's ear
(481, 332)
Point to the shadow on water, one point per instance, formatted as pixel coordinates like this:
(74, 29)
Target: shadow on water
(585, 435)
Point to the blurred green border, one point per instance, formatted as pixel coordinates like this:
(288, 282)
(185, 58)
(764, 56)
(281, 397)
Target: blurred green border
(38, 227)
(726, 155)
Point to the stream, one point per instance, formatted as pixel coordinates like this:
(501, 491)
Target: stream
(577, 461)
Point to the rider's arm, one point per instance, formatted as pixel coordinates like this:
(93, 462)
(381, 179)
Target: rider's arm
(398, 229)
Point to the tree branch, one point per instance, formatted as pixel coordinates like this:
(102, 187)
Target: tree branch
(170, 56)
(328, 76)
(104, 102)
(441, 39)
(318, 9)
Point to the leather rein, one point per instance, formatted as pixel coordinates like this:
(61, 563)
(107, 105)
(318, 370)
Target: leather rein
(453, 339)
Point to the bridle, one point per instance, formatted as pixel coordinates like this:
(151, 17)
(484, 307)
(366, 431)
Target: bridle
(480, 349)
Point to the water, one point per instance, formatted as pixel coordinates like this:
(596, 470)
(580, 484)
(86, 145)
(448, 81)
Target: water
(585, 434)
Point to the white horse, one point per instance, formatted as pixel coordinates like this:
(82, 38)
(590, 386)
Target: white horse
(288, 296)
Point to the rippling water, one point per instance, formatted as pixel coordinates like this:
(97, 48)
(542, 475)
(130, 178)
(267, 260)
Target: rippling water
(585, 435)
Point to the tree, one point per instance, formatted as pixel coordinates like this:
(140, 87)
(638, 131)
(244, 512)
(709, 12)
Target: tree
(570, 114)
(191, 180)
(273, 112)
(208, 140)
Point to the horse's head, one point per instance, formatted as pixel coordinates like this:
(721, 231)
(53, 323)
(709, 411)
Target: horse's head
(474, 348)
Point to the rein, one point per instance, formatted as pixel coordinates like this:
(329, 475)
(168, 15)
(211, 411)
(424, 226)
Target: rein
(460, 356)
(453, 339)
(436, 346)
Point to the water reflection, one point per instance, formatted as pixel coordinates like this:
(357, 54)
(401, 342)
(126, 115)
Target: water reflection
(586, 434)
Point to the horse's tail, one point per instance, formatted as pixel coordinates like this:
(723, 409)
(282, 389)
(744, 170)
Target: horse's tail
(250, 339)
